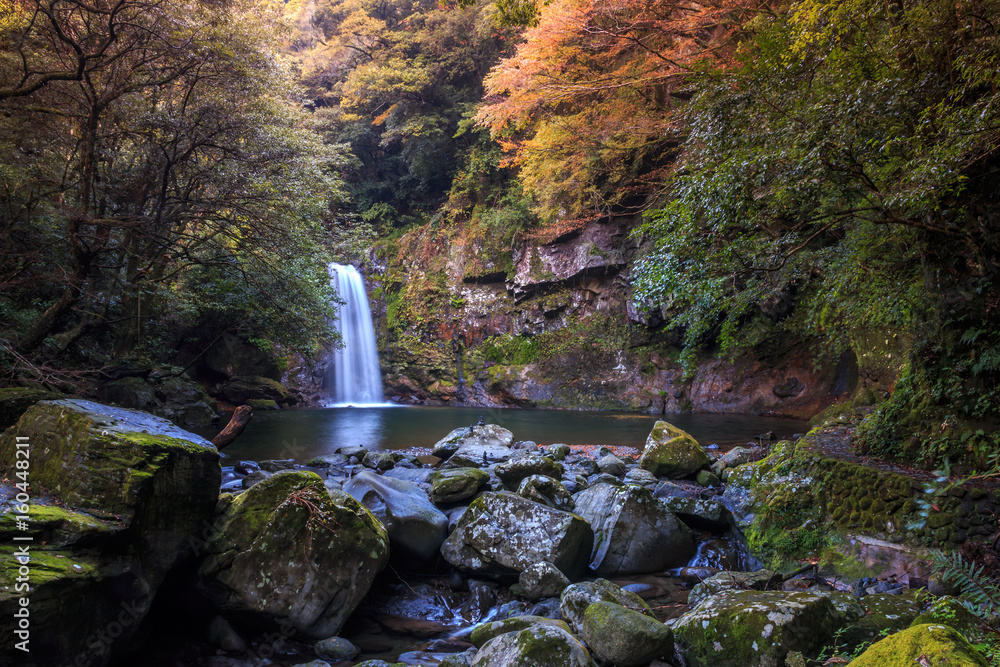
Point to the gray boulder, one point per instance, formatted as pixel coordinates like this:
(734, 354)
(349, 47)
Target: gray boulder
(547, 491)
(513, 471)
(535, 646)
(477, 456)
(625, 637)
(416, 527)
(501, 535)
(489, 435)
(640, 477)
(611, 465)
(542, 580)
(633, 532)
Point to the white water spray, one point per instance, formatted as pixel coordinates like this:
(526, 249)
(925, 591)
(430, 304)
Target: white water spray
(354, 377)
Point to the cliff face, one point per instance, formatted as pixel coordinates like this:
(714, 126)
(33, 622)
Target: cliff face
(463, 322)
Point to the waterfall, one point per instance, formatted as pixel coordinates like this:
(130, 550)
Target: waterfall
(354, 377)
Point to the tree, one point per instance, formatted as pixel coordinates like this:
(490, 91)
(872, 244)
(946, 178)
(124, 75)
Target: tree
(587, 105)
(850, 162)
(177, 157)
(395, 80)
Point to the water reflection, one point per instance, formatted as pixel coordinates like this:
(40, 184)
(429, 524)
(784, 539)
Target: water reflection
(303, 434)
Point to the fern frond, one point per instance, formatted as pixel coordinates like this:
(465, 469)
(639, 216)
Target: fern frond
(975, 586)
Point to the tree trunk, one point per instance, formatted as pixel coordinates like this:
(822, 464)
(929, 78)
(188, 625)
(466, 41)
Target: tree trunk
(241, 417)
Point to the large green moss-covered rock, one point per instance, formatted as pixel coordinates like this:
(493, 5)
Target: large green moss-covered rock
(929, 644)
(624, 637)
(457, 484)
(501, 535)
(535, 646)
(15, 400)
(116, 498)
(755, 628)
(139, 471)
(288, 550)
(671, 452)
(575, 600)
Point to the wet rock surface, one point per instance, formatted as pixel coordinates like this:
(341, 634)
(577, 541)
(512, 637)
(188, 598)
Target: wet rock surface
(502, 534)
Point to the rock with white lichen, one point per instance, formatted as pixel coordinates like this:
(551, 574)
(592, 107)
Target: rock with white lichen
(755, 628)
(535, 646)
(502, 534)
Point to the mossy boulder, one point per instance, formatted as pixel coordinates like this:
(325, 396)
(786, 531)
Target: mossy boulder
(672, 452)
(624, 637)
(501, 535)
(288, 550)
(535, 646)
(513, 471)
(633, 531)
(457, 484)
(139, 471)
(117, 498)
(575, 599)
(242, 389)
(484, 632)
(755, 628)
(14, 401)
(883, 613)
(950, 611)
(928, 644)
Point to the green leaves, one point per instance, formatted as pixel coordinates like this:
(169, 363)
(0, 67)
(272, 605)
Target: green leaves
(835, 164)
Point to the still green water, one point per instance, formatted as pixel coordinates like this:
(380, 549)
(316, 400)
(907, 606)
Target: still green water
(304, 434)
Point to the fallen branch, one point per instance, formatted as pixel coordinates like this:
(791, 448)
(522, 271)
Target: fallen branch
(241, 417)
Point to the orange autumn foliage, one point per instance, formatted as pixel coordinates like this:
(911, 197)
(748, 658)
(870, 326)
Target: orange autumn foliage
(586, 107)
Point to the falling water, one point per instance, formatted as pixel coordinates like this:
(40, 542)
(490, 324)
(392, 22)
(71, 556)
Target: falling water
(354, 377)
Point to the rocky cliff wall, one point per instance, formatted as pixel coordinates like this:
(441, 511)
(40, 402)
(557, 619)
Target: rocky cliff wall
(461, 321)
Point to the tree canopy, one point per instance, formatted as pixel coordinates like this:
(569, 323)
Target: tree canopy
(153, 163)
